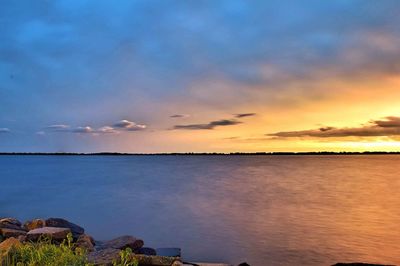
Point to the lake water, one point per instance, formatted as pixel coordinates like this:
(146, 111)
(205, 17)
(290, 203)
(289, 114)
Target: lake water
(266, 210)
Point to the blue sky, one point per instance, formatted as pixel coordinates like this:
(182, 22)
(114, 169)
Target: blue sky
(108, 75)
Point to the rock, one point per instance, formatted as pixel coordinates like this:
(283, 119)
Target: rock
(177, 263)
(55, 233)
(146, 251)
(6, 246)
(10, 223)
(9, 243)
(103, 257)
(123, 242)
(359, 264)
(22, 238)
(34, 224)
(76, 230)
(85, 242)
(6, 233)
(155, 260)
(206, 264)
(244, 264)
(169, 252)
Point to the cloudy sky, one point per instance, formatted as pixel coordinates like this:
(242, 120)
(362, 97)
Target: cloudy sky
(193, 76)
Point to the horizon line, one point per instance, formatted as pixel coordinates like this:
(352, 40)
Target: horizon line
(202, 153)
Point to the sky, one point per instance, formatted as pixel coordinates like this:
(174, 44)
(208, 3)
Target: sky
(199, 76)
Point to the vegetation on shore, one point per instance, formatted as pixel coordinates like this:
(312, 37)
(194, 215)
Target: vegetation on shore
(46, 253)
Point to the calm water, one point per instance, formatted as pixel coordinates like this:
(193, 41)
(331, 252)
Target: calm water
(282, 210)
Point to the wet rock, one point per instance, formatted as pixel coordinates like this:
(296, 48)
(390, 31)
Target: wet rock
(10, 223)
(146, 251)
(123, 242)
(169, 252)
(85, 242)
(103, 257)
(6, 246)
(54, 233)
(34, 224)
(155, 260)
(76, 230)
(244, 264)
(6, 233)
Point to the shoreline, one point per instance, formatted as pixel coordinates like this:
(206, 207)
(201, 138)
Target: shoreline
(15, 234)
(58, 231)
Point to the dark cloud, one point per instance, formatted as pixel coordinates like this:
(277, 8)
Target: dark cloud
(211, 125)
(244, 115)
(4, 130)
(390, 126)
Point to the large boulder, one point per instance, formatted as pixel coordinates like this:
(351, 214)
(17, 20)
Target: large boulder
(34, 224)
(76, 230)
(6, 246)
(56, 234)
(85, 242)
(10, 223)
(104, 256)
(123, 242)
(6, 233)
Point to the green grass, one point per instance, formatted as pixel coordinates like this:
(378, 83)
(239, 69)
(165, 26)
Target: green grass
(126, 259)
(45, 253)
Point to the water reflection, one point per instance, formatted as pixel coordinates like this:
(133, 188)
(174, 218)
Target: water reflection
(265, 210)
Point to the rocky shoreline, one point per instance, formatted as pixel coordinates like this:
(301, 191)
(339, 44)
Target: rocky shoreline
(14, 233)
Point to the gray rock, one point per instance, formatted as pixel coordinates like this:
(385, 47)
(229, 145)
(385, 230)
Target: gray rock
(169, 252)
(10, 223)
(103, 257)
(34, 224)
(146, 251)
(6, 232)
(54, 233)
(123, 242)
(59, 222)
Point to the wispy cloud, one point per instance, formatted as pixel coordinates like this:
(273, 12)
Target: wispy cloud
(86, 129)
(210, 125)
(122, 125)
(129, 125)
(4, 130)
(180, 116)
(59, 127)
(244, 115)
(389, 126)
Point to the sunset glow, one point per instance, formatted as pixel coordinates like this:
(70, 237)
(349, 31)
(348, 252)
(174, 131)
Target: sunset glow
(207, 77)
